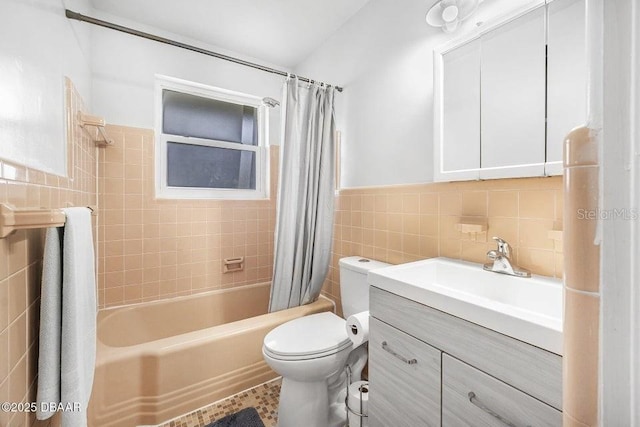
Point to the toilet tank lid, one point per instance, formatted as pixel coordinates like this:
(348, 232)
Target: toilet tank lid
(361, 264)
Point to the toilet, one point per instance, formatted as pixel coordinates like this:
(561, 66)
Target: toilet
(312, 353)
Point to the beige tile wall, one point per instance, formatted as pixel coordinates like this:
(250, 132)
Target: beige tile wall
(582, 281)
(152, 248)
(405, 223)
(21, 259)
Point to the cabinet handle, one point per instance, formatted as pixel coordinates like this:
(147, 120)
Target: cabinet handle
(386, 348)
(475, 401)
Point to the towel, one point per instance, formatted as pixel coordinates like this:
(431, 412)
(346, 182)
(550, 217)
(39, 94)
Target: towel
(77, 331)
(50, 324)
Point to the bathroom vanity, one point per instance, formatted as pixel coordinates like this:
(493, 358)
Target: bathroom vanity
(431, 368)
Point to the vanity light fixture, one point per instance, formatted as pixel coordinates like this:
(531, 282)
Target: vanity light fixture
(448, 14)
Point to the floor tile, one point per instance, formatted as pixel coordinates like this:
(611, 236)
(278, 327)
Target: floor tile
(263, 397)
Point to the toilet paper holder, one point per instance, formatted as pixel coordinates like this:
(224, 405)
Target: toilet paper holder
(360, 414)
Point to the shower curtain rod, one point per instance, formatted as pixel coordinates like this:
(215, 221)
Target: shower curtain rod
(99, 22)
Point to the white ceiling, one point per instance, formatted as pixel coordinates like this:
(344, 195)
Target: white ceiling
(282, 32)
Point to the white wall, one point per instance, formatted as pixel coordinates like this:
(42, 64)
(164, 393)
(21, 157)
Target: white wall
(38, 47)
(383, 56)
(620, 175)
(124, 69)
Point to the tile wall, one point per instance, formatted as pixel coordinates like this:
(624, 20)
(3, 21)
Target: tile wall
(406, 223)
(152, 248)
(21, 259)
(582, 281)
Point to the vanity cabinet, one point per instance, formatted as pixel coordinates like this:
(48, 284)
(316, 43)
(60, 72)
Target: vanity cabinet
(403, 385)
(506, 95)
(471, 397)
(463, 375)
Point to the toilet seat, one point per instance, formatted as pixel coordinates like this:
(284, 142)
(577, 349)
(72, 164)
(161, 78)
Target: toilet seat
(309, 337)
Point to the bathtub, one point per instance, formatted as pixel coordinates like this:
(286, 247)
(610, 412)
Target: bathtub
(156, 361)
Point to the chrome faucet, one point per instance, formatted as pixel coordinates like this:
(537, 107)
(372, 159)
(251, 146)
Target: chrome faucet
(501, 258)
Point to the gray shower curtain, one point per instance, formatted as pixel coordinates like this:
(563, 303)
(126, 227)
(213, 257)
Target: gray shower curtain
(304, 225)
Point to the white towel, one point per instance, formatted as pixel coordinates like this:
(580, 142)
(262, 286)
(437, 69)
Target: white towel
(50, 324)
(77, 332)
(78, 343)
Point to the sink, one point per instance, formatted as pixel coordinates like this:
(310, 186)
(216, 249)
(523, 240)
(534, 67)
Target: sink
(528, 309)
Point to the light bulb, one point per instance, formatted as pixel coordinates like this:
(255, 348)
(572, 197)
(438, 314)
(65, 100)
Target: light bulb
(450, 13)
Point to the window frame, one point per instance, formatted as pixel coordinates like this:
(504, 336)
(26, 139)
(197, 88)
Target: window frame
(163, 190)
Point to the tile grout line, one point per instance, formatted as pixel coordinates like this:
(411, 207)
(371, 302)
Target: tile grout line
(231, 407)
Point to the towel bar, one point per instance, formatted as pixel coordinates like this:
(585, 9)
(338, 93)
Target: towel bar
(96, 122)
(12, 219)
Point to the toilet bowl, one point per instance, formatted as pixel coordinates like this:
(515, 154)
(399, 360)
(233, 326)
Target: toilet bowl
(307, 352)
(312, 352)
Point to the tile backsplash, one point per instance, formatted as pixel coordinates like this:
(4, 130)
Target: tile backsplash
(404, 223)
(21, 258)
(160, 248)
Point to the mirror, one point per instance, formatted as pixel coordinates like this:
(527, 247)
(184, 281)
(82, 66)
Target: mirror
(507, 94)
(566, 76)
(461, 80)
(513, 97)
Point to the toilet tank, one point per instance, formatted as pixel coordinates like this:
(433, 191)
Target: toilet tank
(354, 288)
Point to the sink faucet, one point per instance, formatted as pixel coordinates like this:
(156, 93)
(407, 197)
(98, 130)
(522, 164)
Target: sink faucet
(501, 258)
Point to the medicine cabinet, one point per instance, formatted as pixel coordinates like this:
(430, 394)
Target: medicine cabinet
(507, 94)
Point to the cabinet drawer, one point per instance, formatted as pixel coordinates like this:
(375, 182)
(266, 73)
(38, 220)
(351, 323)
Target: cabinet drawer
(472, 398)
(535, 371)
(402, 394)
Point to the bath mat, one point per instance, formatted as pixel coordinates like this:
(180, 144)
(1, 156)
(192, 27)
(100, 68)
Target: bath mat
(248, 417)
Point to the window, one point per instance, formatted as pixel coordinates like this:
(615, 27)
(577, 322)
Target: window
(211, 143)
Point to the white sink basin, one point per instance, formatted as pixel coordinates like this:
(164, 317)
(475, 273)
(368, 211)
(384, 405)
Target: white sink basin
(528, 309)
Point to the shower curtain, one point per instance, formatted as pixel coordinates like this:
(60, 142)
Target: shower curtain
(304, 224)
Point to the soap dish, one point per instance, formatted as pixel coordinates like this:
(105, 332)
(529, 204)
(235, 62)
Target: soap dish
(471, 227)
